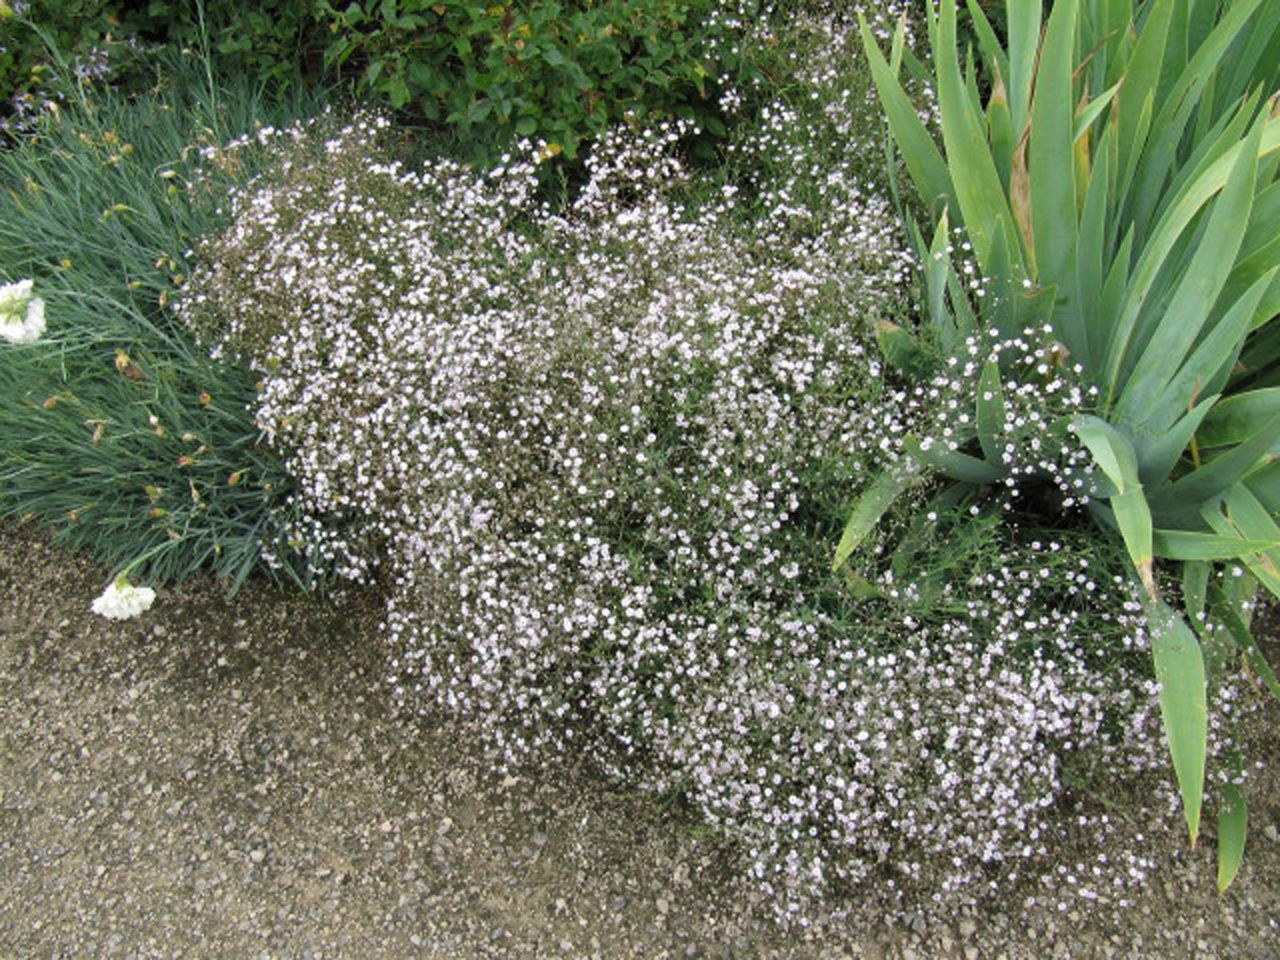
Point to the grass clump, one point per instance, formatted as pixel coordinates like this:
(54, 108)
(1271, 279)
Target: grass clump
(118, 431)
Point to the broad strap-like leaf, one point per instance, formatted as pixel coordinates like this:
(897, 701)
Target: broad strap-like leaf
(1115, 457)
(1234, 419)
(953, 463)
(991, 413)
(978, 190)
(1176, 218)
(872, 505)
(921, 155)
(1195, 588)
(1190, 545)
(1053, 184)
(1233, 826)
(1192, 304)
(1180, 672)
(1239, 513)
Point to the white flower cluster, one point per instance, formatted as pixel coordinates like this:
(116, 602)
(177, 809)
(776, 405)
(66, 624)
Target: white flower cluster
(21, 313)
(121, 600)
(604, 451)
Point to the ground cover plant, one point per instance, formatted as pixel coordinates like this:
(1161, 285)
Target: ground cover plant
(597, 453)
(1119, 188)
(117, 430)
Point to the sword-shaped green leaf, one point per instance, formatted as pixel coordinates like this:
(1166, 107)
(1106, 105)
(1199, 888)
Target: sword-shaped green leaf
(871, 506)
(1247, 518)
(1159, 453)
(1233, 825)
(1234, 419)
(1189, 545)
(1243, 638)
(991, 413)
(953, 463)
(978, 191)
(1023, 21)
(1114, 455)
(919, 152)
(1221, 473)
(1180, 673)
(1181, 325)
(1049, 155)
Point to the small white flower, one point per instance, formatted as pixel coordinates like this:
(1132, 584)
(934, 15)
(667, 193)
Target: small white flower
(21, 314)
(122, 600)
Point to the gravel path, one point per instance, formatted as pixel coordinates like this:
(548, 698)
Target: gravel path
(228, 780)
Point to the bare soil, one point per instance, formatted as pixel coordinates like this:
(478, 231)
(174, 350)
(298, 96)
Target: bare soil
(229, 779)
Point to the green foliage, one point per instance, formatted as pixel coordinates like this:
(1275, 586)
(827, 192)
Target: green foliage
(1119, 185)
(274, 40)
(117, 431)
(48, 48)
(85, 32)
(556, 72)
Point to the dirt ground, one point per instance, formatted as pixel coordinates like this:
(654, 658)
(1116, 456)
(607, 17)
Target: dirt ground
(229, 779)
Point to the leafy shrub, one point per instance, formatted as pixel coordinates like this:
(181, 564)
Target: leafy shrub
(281, 41)
(117, 431)
(85, 32)
(601, 452)
(48, 47)
(1118, 187)
(555, 72)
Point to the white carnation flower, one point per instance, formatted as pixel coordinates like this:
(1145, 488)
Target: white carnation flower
(21, 314)
(122, 600)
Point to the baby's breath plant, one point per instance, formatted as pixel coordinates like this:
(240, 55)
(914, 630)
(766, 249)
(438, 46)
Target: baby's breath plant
(599, 451)
(117, 431)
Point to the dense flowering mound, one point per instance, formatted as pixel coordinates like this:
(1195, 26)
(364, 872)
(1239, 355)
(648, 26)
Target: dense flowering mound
(603, 453)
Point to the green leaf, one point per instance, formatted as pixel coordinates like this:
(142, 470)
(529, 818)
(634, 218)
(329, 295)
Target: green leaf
(1212, 358)
(1234, 419)
(978, 190)
(1142, 74)
(901, 349)
(921, 155)
(1247, 518)
(1233, 824)
(1180, 672)
(1221, 473)
(871, 506)
(1192, 302)
(1159, 454)
(1114, 455)
(1111, 450)
(1243, 638)
(1023, 19)
(953, 463)
(1049, 156)
(1195, 587)
(1195, 546)
(991, 413)
(1175, 219)
(1085, 118)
